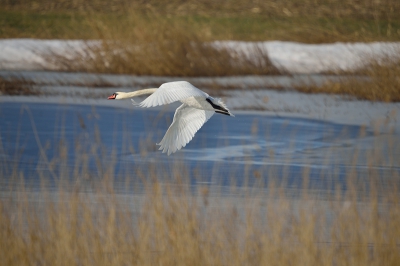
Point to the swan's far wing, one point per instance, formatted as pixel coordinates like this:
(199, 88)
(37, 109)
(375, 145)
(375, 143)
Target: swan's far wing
(171, 92)
(187, 121)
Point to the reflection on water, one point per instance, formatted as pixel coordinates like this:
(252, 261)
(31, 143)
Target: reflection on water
(48, 140)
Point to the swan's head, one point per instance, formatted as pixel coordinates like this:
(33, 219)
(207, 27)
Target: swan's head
(114, 96)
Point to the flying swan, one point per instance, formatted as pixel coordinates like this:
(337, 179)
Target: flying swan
(197, 107)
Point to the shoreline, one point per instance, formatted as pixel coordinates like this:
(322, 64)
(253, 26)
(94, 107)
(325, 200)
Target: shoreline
(379, 117)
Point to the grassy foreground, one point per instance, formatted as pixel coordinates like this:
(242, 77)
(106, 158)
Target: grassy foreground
(176, 228)
(85, 220)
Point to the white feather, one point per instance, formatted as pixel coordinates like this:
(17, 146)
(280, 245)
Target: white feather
(187, 121)
(172, 92)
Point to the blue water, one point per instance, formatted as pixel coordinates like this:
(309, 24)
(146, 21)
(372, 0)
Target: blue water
(53, 141)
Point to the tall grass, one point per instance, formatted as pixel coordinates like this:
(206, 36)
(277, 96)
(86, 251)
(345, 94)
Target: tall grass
(332, 8)
(167, 221)
(169, 225)
(162, 47)
(303, 21)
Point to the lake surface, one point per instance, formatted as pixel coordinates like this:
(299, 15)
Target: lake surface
(42, 141)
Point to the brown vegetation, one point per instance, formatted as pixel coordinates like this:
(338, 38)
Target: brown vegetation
(323, 8)
(304, 21)
(87, 221)
(167, 50)
(16, 87)
(377, 82)
(167, 225)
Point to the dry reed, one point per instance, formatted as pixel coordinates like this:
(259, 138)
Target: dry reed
(170, 223)
(162, 47)
(170, 226)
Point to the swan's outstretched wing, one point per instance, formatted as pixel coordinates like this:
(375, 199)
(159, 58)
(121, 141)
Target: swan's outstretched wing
(171, 92)
(187, 121)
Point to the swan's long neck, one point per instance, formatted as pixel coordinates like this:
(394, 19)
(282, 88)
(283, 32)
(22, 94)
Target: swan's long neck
(125, 95)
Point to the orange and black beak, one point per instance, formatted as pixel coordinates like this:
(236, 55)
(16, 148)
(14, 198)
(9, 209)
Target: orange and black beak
(112, 97)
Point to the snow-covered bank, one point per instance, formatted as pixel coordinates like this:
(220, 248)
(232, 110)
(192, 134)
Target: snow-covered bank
(33, 54)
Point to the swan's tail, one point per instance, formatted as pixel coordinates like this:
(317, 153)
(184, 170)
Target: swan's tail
(224, 109)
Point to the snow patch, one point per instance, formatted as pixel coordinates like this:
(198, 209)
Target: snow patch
(33, 54)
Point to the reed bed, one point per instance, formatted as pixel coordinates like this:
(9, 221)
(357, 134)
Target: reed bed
(86, 218)
(169, 225)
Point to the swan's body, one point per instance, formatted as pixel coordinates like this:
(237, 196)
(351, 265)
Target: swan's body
(197, 107)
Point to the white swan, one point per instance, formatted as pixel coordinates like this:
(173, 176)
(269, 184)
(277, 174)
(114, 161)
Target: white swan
(197, 107)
